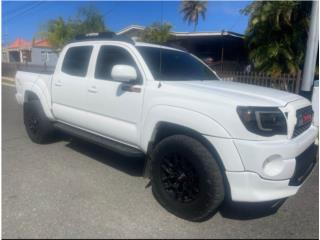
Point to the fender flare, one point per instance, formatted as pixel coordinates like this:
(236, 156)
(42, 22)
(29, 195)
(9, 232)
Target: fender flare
(44, 100)
(199, 122)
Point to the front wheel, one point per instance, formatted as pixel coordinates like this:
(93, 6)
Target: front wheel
(186, 179)
(39, 128)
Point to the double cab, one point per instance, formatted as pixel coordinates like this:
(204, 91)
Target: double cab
(203, 138)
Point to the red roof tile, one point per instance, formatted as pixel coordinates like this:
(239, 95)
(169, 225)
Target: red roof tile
(42, 43)
(20, 43)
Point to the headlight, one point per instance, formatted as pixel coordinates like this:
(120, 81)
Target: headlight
(265, 121)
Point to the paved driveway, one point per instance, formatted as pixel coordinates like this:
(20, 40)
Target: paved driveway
(73, 189)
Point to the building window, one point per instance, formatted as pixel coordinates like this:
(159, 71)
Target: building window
(43, 56)
(14, 56)
(4, 56)
(26, 55)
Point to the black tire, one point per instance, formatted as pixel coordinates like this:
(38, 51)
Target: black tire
(186, 179)
(38, 126)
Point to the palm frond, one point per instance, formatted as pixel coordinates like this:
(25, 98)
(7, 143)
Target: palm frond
(276, 35)
(191, 11)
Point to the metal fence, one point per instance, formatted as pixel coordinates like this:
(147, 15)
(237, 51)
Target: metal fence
(285, 82)
(10, 69)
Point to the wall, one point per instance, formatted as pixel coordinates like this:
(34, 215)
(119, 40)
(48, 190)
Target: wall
(38, 56)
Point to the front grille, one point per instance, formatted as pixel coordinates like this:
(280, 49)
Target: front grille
(304, 165)
(300, 129)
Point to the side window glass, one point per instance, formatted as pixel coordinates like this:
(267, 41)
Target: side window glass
(76, 61)
(110, 56)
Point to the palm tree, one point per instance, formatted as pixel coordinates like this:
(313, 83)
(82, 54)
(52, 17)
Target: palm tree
(191, 11)
(276, 35)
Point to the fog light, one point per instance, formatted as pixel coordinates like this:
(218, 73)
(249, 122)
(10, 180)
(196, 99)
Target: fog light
(274, 165)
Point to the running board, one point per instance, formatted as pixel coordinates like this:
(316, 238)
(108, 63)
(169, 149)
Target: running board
(101, 141)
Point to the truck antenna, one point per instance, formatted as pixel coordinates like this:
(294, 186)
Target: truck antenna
(160, 67)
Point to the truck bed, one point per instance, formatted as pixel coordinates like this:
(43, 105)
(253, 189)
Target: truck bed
(29, 81)
(36, 69)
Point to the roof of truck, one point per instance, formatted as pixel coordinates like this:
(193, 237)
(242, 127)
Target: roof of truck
(143, 44)
(93, 38)
(136, 44)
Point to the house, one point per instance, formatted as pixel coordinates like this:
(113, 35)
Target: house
(36, 52)
(223, 51)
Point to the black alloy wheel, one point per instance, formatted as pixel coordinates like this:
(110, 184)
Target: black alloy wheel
(179, 178)
(186, 178)
(38, 126)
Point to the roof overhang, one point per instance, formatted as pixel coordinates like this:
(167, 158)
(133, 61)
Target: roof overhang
(185, 34)
(206, 34)
(129, 28)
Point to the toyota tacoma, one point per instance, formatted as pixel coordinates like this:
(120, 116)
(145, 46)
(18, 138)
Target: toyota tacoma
(203, 138)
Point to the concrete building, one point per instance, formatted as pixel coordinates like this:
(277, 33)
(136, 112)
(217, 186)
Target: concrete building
(37, 52)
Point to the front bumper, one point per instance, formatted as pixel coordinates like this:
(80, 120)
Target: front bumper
(250, 187)
(274, 160)
(270, 170)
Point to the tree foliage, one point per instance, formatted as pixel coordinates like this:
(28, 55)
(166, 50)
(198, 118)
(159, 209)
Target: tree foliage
(191, 11)
(276, 35)
(157, 33)
(90, 20)
(59, 31)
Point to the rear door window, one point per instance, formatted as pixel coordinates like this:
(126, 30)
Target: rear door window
(76, 61)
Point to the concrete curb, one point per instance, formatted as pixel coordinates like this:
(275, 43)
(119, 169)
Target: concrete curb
(8, 81)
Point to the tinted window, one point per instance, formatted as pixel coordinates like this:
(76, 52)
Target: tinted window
(76, 61)
(172, 65)
(110, 56)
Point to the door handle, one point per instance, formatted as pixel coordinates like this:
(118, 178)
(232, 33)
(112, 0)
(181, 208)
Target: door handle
(58, 83)
(131, 88)
(93, 89)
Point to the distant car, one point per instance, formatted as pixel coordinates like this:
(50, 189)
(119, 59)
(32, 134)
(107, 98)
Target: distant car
(203, 138)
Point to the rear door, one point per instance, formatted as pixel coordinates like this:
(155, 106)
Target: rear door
(69, 85)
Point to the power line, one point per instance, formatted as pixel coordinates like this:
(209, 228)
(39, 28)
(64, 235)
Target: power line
(21, 10)
(19, 15)
(25, 12)
(25, 6)
(235, 23)
(31, 10)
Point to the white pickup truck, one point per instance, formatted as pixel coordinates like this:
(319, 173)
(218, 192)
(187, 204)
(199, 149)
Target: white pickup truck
(203, 138)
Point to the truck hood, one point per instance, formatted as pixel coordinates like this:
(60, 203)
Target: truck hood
(239, 93)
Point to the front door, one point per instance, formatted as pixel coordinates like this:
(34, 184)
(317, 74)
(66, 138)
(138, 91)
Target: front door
(114, 110)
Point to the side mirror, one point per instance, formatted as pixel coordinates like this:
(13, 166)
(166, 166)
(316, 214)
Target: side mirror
(123, 73)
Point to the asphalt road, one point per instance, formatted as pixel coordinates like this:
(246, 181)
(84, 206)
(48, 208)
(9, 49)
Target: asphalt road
(73, 189)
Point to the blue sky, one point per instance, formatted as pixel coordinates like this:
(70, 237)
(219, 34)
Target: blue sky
(24, 19)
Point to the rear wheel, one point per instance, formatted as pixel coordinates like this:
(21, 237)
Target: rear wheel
(38, 126)
(186, 179)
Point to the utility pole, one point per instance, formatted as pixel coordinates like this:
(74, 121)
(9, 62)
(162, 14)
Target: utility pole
(311, 51)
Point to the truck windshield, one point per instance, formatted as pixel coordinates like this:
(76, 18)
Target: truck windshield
(172, 65)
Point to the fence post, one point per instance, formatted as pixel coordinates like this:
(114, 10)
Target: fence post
(298, 82)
